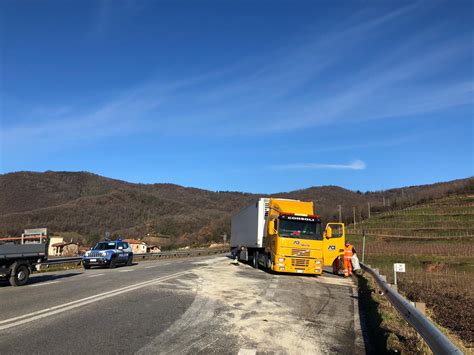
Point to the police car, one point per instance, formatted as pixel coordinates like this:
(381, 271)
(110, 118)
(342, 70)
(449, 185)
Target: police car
(108, 253)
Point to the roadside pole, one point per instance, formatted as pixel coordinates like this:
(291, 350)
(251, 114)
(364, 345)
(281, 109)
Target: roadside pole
(397, 267)
(363, 246)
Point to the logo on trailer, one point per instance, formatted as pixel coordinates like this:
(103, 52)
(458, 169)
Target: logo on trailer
(332, 247)
(296, 242)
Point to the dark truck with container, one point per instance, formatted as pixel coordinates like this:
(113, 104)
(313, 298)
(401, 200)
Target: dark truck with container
(19, 257)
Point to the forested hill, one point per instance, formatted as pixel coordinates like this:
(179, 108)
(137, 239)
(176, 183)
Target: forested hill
(86, 205)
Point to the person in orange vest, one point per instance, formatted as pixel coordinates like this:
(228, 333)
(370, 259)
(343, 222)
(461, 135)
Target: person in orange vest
(349, 251)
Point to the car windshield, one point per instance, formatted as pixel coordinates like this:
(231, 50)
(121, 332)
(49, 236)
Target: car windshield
(300, 229)
(104, 246)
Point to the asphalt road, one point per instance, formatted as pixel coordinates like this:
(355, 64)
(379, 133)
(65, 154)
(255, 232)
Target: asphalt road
(192, 305)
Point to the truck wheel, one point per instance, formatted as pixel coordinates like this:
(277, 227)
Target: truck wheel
(255, 260)
(20, 277)
(113, 263)
(130, 260)
(268, 262)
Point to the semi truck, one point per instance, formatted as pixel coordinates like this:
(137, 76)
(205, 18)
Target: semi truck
(285, 236)
(19, 256)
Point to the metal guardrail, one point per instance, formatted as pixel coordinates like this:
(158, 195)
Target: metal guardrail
(436, 340)
(164, 254)
(182, 253)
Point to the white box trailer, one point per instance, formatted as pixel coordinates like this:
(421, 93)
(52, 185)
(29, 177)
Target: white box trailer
(248, 225)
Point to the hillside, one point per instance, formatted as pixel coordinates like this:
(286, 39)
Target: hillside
(447, 217)
(436, 242)
(89, 205)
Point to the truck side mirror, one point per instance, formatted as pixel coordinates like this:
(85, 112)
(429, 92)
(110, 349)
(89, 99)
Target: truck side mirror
(271, 227)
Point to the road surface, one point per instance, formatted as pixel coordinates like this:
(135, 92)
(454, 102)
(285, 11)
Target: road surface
(194, 305)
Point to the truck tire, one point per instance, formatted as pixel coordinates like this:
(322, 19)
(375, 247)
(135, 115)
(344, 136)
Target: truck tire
(268, 262)
(20, 275)
(255, 260)
(130, 260)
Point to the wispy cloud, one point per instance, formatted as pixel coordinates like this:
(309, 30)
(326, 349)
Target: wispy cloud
(298, 86)
(355, 165)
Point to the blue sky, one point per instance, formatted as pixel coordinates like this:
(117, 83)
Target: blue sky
(251, 96)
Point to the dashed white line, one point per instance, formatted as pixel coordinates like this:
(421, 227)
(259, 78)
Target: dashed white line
(44, 283)
(95, 275)
(150, 267)
(128, 270)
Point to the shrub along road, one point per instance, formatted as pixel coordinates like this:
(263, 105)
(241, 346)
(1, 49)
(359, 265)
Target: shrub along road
(195, 305)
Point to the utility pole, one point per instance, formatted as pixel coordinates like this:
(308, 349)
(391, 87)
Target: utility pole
(354, 213)
(368, 205)
(340, 213)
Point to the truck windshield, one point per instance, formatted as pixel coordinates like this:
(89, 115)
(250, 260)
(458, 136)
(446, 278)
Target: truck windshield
(104, 246)
(300, 229)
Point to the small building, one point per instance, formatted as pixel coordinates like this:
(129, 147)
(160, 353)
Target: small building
(55, 246)
(65, 249)
(153, 249)
(138, 247)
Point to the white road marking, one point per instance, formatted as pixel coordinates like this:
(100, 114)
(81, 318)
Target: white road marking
(335, 281)
(270, 293)
(150, 267)
(273, 286)
(27, 318)
(247, 351)
(95, 275)
(44, 283)
(357, 327)
(128, 270)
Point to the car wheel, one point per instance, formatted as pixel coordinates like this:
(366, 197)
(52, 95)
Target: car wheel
(130, 260)
(86, 266)
(22, 273)
(113, 263)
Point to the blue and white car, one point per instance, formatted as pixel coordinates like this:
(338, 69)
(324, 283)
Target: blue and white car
(108, 253)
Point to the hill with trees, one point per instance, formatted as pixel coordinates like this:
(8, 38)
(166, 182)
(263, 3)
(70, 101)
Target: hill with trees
(87, 205)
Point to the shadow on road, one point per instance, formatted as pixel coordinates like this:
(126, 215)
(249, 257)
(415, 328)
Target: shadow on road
(38, 278)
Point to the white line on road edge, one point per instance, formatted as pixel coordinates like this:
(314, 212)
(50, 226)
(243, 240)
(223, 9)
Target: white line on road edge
(13, 322)
(95, 275)
(150, 267)
(44, 283)
(128, 270)
(357, 327)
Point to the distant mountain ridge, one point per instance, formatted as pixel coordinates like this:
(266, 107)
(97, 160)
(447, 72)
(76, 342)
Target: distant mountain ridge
(89, 204)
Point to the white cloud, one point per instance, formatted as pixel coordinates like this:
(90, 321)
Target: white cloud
(355, 165)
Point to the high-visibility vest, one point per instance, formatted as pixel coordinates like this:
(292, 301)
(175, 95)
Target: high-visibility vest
(348, 251)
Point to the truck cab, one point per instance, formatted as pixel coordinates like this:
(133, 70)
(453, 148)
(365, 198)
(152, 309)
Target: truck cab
(108, 253)
(294, 238)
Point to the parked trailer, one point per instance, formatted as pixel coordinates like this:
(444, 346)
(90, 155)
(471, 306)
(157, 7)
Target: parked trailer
(18, 257)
